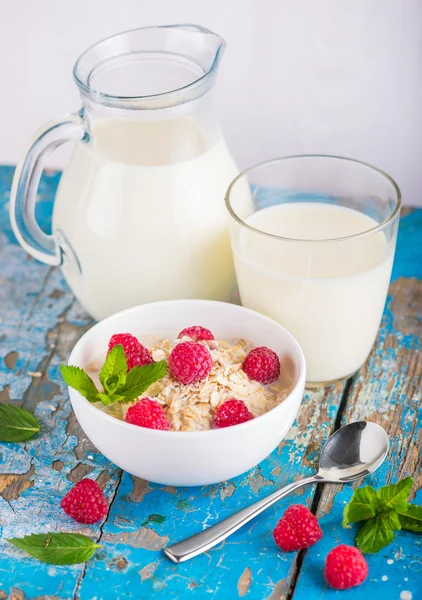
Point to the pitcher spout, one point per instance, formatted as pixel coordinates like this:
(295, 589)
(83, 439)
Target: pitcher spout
(203, 46)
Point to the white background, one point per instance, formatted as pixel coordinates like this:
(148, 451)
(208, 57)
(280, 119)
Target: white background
(299, 76)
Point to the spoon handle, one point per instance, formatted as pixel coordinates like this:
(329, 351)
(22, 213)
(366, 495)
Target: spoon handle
(203, 541)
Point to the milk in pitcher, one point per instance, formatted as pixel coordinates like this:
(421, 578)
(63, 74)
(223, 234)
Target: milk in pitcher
(152, 212)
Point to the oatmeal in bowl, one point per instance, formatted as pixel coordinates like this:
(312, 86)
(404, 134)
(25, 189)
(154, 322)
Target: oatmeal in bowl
(208, 384)
(186, 405)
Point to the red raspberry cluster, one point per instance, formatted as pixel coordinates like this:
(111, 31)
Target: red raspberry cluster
(191, 362)
(298, 528)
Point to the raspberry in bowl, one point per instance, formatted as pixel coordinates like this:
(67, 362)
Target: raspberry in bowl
(222, 394)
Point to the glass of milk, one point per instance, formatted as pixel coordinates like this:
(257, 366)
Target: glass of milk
(313, 239)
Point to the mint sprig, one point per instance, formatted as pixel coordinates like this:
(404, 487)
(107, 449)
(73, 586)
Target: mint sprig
(57, 548)
(384, 511)
(119, 384)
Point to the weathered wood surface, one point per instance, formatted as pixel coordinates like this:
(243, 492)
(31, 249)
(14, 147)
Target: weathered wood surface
(41, 321)
(388, 391)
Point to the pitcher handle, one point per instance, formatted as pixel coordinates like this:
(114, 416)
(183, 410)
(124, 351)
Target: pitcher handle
(46, 248)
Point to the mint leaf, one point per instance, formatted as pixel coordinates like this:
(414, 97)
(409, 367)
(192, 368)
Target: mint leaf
(17, 424)
(114, 383)
(79, 381)
(412, 518)
(391, 519)
(140, 378)
(109, 399)
(363, 505)
(57, 548)
(395, 495)
(113, 371)
(374, 535)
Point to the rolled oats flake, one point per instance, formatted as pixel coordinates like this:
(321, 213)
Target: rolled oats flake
(158, 355)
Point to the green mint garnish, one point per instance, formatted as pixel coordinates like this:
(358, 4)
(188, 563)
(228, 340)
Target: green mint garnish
(384, 511)
(80, 381)
(119, 384)
(374, 535)
(412, 518)
(363, 505)
(395, 495)
(17, 424)
(140, 378)
(57, 548)
(113, 371)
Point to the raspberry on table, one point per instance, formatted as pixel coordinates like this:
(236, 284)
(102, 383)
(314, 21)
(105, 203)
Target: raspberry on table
(232, 412)
(136, 353)
(262, 365)
(196, 333)
(190, 362)
(345, 567)
(85, 502)
(147, 413)
(298, 528)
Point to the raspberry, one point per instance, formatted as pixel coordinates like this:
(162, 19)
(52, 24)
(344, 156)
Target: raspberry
(345, 567)
(196, 333)
(147, 413)
(262, 364)
(298, 528)
(190, 362)
(85, 502)
(136, 353)
(232, 412)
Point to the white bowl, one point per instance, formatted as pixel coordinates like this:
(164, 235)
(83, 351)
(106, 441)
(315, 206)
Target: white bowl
(189, 458)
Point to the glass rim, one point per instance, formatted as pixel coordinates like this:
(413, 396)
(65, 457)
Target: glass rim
(380, 227)
(128, 101)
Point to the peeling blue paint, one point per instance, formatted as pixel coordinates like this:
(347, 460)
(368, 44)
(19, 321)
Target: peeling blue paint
(31, 317)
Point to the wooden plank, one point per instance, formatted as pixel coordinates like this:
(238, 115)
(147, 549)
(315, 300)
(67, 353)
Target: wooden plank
(387, 391)
(40, 324)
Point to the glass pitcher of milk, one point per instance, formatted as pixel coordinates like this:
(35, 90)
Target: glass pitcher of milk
(139, 213)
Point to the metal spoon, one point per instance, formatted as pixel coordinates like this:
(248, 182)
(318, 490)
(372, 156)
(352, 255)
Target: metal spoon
(352, 452)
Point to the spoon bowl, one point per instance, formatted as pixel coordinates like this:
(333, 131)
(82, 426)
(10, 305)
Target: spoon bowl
(352, 452)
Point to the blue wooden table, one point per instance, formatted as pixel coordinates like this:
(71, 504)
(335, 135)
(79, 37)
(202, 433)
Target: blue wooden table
(40, 321)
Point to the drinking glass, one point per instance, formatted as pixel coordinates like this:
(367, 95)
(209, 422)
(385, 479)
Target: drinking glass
(313, 239)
